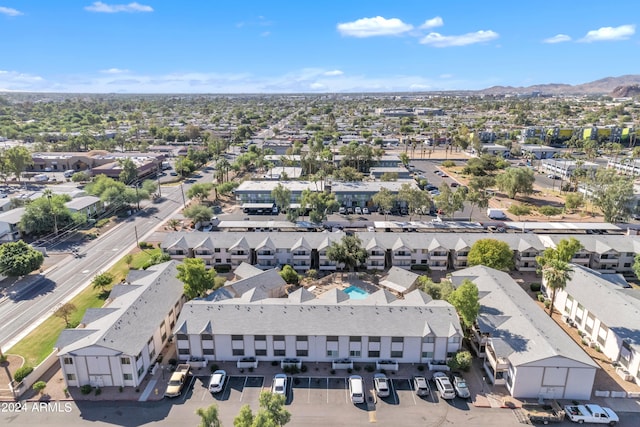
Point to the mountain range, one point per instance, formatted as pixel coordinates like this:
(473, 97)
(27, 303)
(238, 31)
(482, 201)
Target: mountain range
(622, 86)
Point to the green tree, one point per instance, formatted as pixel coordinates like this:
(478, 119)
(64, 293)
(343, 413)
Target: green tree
(519, 210)
(184, 166)
(200, 191)
(65, 311)
(289, 275)
(198, 213)
(384, 200)
(404, 159)
(39, 387)
(271, 413)
(389, 176)
(129, 173)
(491, 253)
(613, 194)
(16, 159)
(226, 188)
(413, 197)
(348, 251)
(209, 416)
(320, 203)
(282, 197)
(516, 180)
(196, 277)
(465, 300)
(44, 214)
(19, 259)
(448, 201)
(636, 265)
(347, 174)
(573, 201)
(549, 211)
(556, 273)
(564, 251)
(102, 280)
(439, 291)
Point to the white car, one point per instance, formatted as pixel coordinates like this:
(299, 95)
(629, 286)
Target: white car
(358, 210)
(421, 386)
(381, 384)
(216, 384)
(445, 389)
(279, 384)
(460, 385)
(365, 211)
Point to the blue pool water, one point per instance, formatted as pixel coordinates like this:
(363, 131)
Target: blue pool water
(355, 292)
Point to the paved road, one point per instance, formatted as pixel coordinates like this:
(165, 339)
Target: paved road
(21, 313)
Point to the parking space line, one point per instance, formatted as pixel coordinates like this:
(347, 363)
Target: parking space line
(393, 393)
(186, 390)
(413, 394)
(246, 378)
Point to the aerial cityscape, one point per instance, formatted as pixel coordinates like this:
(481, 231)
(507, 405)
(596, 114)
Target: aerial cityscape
(254, 214)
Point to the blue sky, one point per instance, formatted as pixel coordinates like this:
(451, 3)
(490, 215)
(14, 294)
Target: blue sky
(261, 46)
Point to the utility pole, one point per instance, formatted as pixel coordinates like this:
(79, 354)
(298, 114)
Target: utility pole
(135, 230)
(184, 201)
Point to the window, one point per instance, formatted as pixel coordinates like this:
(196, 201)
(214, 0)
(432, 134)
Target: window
(71, 377)
(140, 371)
(152, 354)
(374, 353)
(216, 250)
(206, 337)
(164, 336)
(236, 338)
(260, 338)
(182, 337)
(68, 361)
(374, 339)
(397, 354)
(278, 337)
(302, 353)
(127, 377)
(261, 352)
(182, 351)
(427, 354)
(397, 339)
(455, 339)
(354, 353)
(207, 351)
(238, 351)
(429, 339)
(332, 353)
(125, 361)
(332, 338)
(302, 338)
(279, 353)
(355, 339)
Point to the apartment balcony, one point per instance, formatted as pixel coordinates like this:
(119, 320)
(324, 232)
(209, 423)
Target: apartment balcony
(301, 255)
(235, 256)
(607, 261)
(330, 267)
(497, 364)
(202, 254)
(437, 256)
(376, 257)
(260, 256)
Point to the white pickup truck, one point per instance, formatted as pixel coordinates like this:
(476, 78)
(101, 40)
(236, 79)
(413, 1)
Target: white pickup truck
(591, 414)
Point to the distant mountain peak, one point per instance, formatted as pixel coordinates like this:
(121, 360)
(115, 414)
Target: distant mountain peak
(602, 86)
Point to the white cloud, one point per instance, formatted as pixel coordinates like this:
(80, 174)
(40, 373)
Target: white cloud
(438, 40)
(100, 7)
(623, 32)
(558, 38)
(333, 73)
(9, 11)
(432, 23)
(378, 26)
(265, 34)
(114, 71)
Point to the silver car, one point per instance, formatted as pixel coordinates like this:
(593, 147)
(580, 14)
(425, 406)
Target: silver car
(445, 389)
(381, 384)
(462, 390)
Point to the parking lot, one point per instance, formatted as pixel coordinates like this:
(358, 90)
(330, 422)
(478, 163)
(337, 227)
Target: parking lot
(314, 397)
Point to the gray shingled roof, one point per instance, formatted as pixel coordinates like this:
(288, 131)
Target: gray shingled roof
(608, 302)
(399, 279)
(319, 317)
(128, 322)
(265, 282)
(508, 313)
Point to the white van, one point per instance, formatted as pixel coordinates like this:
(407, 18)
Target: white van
(41, 178)
(496, 214)
(356, 389)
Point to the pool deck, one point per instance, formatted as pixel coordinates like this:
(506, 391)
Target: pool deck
(342, 282)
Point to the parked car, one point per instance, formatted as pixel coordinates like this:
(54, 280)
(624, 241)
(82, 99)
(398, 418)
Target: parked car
(455, 184)
(216, 384)
(445, 389)
(460, 385)
(365, 211)
(279, 384)
(356, 389)
(381, 384)
(350, 211)
(421, 386)
(358, 210)
(342, 210)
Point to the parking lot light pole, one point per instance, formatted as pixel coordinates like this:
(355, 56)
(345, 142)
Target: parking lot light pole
(55, 218)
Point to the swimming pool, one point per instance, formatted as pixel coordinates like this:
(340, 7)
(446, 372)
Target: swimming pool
(355, 292)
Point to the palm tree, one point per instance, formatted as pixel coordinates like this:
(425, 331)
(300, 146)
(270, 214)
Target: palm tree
(556, 274)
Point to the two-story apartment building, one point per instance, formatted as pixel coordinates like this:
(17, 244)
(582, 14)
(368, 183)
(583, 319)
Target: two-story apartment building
(116, 345)
(607, 313)
(415, 329)
(521, 346)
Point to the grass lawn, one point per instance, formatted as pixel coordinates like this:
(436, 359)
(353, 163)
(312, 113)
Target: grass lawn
(36, 346)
